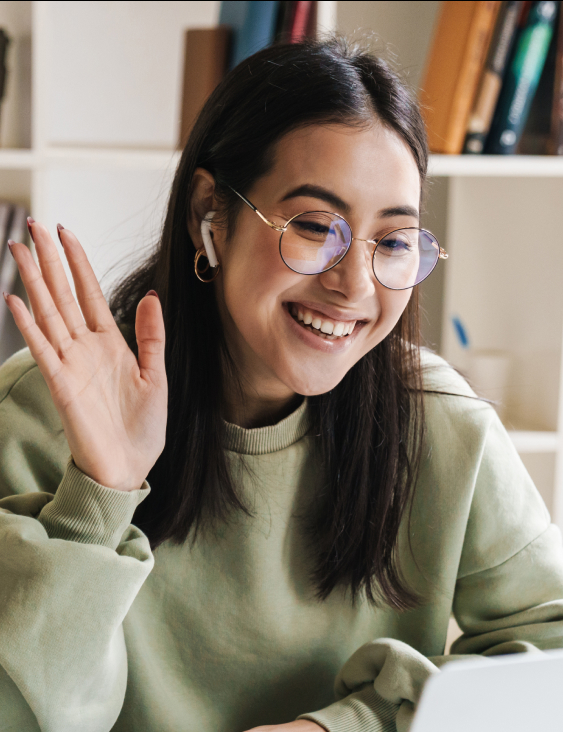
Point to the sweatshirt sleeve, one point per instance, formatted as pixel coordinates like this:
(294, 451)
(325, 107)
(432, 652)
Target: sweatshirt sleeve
(71, 565)
(506, 586)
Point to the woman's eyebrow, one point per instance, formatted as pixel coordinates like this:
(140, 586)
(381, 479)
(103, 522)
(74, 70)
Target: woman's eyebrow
(405, 210)
(323, 194)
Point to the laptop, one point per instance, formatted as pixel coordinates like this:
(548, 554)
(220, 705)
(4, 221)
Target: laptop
(518, 693)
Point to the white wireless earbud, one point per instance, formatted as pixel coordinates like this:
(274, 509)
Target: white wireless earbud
(207, 240)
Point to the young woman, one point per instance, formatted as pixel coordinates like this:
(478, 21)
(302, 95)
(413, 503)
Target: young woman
(320, 499)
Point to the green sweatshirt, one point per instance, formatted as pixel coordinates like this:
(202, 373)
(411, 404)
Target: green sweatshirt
(97, 633)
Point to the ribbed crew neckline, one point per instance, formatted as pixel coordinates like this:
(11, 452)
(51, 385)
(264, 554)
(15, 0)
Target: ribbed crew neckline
(263, 440)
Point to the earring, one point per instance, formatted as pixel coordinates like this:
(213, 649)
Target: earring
(199, 271)
(208, 251)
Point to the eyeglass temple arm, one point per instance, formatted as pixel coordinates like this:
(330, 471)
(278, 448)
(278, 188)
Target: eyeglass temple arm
(253, 207)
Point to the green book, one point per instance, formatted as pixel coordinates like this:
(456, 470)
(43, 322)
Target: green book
(522, 78)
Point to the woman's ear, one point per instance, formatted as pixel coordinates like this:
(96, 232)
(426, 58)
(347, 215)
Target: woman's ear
(201, 203)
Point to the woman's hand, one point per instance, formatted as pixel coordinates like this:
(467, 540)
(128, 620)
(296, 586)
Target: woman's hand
(300, 725)
(113, 407)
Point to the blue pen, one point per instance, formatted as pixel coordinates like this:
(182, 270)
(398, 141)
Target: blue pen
(460, 332)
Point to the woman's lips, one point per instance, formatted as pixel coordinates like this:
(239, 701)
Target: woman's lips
(318, 340)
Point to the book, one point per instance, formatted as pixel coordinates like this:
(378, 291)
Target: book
(456, 61)
(13, 224)
(283, 21)
(555, 145)
(4, 43)
(491, 80)
(522, 78)
(206, 53)
(233, 14)
(8, 267)
(300, 20)
(296, 21)
(253, 24)
(535, 138)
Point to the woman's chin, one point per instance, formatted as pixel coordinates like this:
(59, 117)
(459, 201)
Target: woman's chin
(311, 384)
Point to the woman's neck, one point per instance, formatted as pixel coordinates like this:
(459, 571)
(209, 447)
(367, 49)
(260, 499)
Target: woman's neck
(249, 408)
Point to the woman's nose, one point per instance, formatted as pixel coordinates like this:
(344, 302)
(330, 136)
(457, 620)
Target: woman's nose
(353, 275)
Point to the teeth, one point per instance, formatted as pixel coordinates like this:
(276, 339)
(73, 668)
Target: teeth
(326, 327)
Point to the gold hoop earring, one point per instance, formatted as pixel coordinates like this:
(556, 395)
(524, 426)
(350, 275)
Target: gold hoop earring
(199, 271)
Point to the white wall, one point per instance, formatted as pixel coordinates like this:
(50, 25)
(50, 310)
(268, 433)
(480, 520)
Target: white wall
(114, 75)
(398, 30)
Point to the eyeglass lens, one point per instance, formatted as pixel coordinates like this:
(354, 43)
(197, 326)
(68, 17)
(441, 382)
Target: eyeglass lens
(316, 241)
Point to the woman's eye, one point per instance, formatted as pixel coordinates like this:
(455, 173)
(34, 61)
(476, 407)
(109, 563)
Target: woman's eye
(311, 228)
(392, 243)
(396, 245)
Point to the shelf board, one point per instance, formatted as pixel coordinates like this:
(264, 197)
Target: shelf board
(136, 158)
(531, 166)
(535, 441)
(13, 159)
(525, 166)
(85, 157)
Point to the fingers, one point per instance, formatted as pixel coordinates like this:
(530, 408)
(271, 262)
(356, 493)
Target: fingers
(90, 296)
(55, 278)
(47, 316)
(149, 330)
(41, 350)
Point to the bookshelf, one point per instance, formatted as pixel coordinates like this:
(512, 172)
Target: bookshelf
(97, 153)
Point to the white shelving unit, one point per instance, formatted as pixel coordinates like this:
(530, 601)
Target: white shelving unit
(501, 220)
(88, 136)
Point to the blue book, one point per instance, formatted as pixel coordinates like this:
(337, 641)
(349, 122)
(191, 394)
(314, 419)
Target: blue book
(253, 24)
(522, 78)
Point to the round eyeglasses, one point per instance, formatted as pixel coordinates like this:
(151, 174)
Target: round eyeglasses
(316, 241)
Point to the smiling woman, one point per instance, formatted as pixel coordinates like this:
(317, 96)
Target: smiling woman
(253, 499)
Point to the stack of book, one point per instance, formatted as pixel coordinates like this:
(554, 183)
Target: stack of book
(494, 79)
(13, 225)
(244, 28)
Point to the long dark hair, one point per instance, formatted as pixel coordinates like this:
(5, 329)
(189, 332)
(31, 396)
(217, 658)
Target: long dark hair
(369, 427)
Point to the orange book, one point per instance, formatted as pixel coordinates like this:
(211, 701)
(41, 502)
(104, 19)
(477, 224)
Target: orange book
(206, 53)
(456, 61)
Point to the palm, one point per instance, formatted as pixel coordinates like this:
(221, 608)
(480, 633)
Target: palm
(113, 407)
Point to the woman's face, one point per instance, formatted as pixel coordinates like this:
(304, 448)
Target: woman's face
(367, 175)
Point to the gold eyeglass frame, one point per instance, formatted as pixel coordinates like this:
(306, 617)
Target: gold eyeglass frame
(442, 254)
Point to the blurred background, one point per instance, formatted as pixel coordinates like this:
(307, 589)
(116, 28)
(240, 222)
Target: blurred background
(98, 96)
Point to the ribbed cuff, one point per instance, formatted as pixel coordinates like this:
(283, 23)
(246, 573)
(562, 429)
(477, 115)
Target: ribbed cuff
(362, 711)
(89, 513)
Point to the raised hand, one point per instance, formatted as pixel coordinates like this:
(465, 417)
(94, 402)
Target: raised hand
(113, 407)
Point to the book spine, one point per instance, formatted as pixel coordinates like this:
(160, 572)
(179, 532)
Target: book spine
(477, 48)
(455, 64)
(205, 62)
(555, 146)
(491, 81)
(522, 79)
(258, 30)
(300, 20)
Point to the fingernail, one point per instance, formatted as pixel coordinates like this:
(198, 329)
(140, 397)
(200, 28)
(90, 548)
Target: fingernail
(5, 296)
(152, 292)
(60, 227)
(11, 243)
(29, 222)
